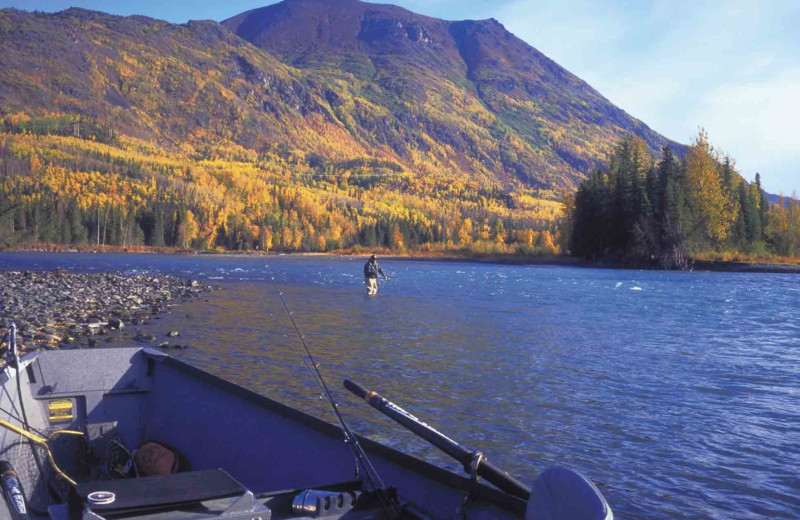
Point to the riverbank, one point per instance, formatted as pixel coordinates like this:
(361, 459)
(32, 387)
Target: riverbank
(61, 309)
(785, 266)
(706, 263)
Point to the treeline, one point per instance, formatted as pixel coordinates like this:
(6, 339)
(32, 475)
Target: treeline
(79, 190)
(59, 124)
(70, 190)
(669, 211)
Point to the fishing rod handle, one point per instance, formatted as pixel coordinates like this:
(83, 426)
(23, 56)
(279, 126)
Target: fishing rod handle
(355, 388)
(15, 497)
(467, 458)
(503, 480)
(427, 432)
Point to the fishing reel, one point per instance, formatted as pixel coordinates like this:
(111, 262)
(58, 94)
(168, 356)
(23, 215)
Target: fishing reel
(314, 502)
(321, 503)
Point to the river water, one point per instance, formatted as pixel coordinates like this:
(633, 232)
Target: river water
(678, 394)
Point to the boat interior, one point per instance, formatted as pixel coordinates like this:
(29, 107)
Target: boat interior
(155, 438)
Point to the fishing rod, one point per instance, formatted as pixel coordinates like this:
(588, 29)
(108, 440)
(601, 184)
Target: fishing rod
(24, 431)
(388, 506)
(474, 462)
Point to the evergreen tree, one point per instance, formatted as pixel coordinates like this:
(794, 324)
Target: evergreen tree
(158, 229)
(592, 217)
(762, 203)
(729, 176)
(672, 250)
(78, 230)
(630, 211)
(370, 236)
(748, 223)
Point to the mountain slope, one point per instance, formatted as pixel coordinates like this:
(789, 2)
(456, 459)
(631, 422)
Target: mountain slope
(194, 84)
(440, 98)
(546, 126)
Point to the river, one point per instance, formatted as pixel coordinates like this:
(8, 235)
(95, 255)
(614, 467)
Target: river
(678, 394)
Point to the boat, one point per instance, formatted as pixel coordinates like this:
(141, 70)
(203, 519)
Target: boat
(73, 420)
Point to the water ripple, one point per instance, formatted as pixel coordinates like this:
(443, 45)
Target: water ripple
(677, 393)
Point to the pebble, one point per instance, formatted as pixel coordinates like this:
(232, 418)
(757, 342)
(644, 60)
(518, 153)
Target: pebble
(116, 323)
(61, 309)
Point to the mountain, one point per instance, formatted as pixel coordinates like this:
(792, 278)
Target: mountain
(472, 85)
(465, 98)
(308, 124)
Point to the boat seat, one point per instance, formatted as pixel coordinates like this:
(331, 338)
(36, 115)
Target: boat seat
(158, 492)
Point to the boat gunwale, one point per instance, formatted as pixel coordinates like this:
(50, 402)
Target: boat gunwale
(410, 462)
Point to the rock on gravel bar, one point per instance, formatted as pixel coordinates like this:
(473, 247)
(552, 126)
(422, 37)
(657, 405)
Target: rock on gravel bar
(59, 308)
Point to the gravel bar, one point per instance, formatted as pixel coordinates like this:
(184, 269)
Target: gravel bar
(62, 309)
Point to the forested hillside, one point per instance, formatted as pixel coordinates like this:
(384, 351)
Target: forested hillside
(382, 129)
(75, 191)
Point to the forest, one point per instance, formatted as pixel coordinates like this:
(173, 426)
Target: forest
(70, 180)
(670, 211)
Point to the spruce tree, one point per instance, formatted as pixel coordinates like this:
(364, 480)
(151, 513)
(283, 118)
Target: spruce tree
(78, 230)
(672, 248)
(158, 229)
(763, 204)
(742, 231)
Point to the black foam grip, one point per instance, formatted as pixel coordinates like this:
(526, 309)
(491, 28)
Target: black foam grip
(355, 388)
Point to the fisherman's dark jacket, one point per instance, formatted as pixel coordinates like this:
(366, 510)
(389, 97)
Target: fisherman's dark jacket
(371, 270)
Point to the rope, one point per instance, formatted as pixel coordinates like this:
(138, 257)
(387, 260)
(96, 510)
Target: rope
(349, 438)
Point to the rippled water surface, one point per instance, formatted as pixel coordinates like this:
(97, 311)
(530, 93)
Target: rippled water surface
(677, 393)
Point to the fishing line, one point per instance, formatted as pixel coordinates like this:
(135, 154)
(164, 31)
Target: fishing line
(547, 359)
(414, 282)
(313, 368)
(349, 437)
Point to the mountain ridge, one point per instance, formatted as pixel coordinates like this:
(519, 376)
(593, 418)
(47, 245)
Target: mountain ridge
(401, 49)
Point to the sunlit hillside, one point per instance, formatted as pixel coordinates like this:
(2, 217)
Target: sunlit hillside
(381, 129)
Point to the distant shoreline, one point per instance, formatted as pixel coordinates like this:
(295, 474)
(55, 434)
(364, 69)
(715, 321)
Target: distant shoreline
(450, 256)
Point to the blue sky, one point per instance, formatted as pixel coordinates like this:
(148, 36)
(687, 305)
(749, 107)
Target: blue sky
(731, 66)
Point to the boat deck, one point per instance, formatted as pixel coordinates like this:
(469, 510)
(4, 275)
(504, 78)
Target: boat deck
(131, 396)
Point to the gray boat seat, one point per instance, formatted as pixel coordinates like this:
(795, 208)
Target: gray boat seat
(147, 493)
(563, 494)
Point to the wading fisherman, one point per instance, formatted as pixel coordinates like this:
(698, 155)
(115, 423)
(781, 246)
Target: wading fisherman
(371, 272)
